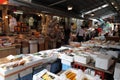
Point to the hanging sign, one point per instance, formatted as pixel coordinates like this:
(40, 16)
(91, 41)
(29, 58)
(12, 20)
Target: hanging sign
(3, 1)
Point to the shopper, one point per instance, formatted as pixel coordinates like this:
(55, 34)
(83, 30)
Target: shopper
(12, 23)
(67, 35)
(80, 34)
(67, 32)
(59, 36)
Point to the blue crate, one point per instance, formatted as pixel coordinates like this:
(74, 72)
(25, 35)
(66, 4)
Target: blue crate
(38, 70)
(65, 67)
(27, 77)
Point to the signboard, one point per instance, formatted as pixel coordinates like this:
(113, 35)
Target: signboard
(3, 1)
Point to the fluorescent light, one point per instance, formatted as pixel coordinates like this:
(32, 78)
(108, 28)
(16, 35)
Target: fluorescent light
(101, 7)
(18, 12)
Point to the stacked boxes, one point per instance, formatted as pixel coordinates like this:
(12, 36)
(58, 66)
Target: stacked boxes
(66, 61)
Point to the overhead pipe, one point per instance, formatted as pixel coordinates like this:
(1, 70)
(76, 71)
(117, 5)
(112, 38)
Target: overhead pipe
(61, 1)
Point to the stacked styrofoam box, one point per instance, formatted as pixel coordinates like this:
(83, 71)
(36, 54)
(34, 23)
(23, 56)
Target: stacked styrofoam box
(39, 75)
(117, 72)
(66, 61)
(82, 58)
(103, 61)
(33, 46)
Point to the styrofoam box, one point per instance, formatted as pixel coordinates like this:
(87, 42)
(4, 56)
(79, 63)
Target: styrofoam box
(113, 53)
(94, 55)
(66, 57)
(79, 74)
(33, 46)
(117, 71)
(103, 61)
(25, 72)
(82, 58)
(40, 74)
(66, 62)
(13, 77)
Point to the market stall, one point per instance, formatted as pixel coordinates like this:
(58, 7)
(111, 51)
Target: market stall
(20, 66)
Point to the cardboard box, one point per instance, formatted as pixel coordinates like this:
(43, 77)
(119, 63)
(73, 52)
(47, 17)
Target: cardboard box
(103, 61)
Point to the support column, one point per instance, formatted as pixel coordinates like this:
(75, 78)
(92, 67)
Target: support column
(5, 19)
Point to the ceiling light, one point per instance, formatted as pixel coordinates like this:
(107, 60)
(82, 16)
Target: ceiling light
(116, 7)
(92, 14)
(70, 7)
(6, 16)
(112, 3)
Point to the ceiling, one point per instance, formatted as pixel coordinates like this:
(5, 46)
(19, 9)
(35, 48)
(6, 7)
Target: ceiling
(80, 7)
